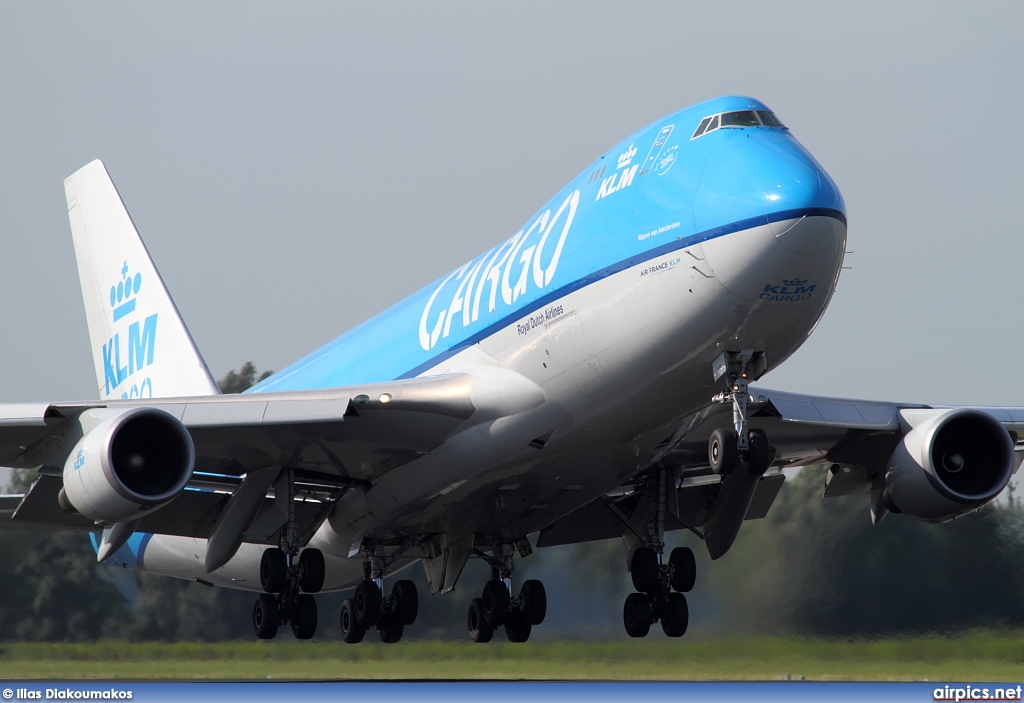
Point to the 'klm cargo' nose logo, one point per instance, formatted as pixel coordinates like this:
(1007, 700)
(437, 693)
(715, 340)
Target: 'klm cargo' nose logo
(138, 353)
(792, 290)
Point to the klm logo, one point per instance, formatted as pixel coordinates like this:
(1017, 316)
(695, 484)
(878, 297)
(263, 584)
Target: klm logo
(791, 290)
(623, 176)
(124, 356)
(79, 460)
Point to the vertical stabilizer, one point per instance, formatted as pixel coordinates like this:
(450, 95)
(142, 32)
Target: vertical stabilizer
(140, 346)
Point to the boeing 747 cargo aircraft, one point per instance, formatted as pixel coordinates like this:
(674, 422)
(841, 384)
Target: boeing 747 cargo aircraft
(587, 378)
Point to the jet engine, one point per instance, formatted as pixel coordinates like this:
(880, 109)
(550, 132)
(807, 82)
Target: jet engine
(130, 463)
(951, 463)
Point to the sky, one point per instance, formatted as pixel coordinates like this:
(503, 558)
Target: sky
(295, 168)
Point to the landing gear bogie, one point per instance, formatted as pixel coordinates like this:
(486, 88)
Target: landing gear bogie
(285, 579)
(498, 607)
(389, 614)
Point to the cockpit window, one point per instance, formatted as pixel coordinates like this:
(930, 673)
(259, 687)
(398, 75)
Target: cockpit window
(737, 118)
(742, 118)
(701, 127)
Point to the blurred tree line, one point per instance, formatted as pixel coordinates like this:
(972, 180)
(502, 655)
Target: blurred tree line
(812, 566)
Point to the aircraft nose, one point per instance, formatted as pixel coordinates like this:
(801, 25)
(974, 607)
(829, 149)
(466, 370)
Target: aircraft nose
(767, 179)
(773, 216)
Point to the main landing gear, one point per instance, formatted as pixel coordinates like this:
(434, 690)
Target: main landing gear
(497, 607)
(288, 584)
(369, 607)
(660, 586)
(660, 589)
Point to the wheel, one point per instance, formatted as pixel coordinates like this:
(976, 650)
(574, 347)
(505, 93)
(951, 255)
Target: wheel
(479, 630)
(683, 569)
(644, 570)
(266, 616)
(676, 616)
(366, 603)
(722, 451)
(313, 570)
(636, 615)
(536, 599)
(518, 630)
(390, 630)
(496, 603)
(404, 592)
(273, 570)
(304, 620)
(351, 631)
(759, 452)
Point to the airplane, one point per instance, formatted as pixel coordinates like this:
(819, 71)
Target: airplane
(587, 378)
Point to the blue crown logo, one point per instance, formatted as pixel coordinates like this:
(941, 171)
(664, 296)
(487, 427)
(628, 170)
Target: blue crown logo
(122, 296)
(794, 281)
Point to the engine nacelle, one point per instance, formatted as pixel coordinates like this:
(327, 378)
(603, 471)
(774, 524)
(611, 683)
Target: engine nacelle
(951, 463)
(129, 464)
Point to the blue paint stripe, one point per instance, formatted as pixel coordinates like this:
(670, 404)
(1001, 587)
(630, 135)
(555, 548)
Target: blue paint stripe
(618, 267)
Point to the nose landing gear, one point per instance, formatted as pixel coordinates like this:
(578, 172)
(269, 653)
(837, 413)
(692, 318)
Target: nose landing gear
(740, 455)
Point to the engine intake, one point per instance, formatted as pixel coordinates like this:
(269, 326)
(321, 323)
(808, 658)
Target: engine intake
(952, 462)
(128, 464)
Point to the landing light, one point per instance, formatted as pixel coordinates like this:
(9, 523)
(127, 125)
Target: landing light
(385, 397)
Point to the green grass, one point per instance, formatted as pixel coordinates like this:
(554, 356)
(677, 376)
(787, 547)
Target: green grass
(973, 657)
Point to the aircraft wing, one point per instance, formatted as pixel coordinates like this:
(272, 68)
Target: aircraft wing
(858, 440)
(332, 439)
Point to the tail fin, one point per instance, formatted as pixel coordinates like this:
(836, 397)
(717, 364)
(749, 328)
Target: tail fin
(140, 346)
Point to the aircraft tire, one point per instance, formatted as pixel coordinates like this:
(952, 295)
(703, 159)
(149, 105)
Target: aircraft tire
(479, 630)
(677, 615)
(314, 570)
(636, 615)
(644, 570)
(390, 630)
(404, 592)
(722, 454)
(683, 567)
(266, 616)
(495, 603)
(532, 591)
(366, 603)
(273, 570)
(351, 631)
(305, 619)
(759, 454)
(518, 630)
